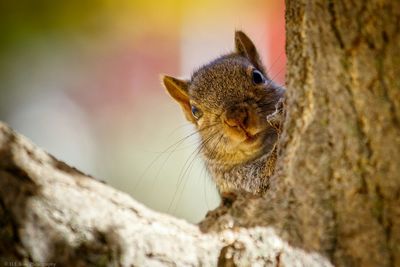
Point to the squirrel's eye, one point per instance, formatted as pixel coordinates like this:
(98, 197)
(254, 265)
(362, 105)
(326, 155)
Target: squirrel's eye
(196, 112)
(258, 78)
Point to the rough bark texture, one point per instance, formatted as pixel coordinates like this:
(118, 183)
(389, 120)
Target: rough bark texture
(336, 190)
(54, 215)
(342, 145)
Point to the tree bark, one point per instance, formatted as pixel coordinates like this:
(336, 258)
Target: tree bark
(341, 150)
(335, 194)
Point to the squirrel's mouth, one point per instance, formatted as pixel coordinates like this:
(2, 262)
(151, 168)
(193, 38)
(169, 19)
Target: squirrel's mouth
(252, 138)
(244, 137)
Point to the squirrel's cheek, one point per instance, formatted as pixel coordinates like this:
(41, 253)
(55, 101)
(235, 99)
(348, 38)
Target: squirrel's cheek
(200, 124)
(235, 135)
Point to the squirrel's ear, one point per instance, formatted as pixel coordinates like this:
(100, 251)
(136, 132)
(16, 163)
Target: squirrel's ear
(178, 90)
(245, 47)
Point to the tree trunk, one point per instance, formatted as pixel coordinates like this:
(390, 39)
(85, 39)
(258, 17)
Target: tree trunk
(335, 194)
(341, 149)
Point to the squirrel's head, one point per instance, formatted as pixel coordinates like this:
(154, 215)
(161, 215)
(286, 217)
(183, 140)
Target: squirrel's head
(229, 101)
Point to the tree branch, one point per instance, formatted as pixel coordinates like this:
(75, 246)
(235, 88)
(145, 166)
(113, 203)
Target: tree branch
(51, 213)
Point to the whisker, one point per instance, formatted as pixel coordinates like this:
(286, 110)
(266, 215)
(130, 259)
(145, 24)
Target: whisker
(205, 180)
(173, 148)
(188, 170)
(198, 152)
(176, 145)
(183, 172)
(178, 128)
(275, 61)
(181, 178)
(276, 75)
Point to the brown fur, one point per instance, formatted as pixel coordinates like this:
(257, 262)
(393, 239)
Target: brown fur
(240, 119)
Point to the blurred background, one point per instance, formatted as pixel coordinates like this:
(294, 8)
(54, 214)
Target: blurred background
(82, 80)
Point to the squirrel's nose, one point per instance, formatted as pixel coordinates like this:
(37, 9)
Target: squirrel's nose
(237, 117)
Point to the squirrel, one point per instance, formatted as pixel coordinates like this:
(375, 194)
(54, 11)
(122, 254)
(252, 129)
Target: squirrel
(237, 111)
